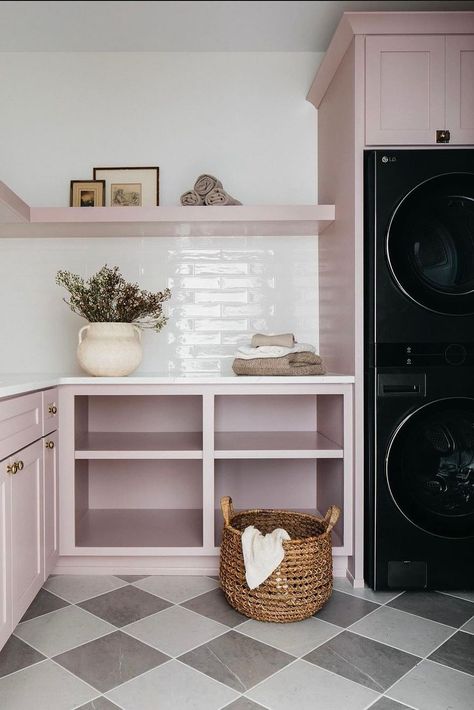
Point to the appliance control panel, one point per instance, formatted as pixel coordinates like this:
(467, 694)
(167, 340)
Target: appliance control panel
(424, 354)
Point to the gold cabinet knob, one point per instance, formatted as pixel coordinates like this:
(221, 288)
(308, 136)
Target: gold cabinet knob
(12, 468)
(20, 465)
(52, 409)
(49, 444)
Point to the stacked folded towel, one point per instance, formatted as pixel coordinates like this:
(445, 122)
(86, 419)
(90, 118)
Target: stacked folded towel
(299, 359)
(208, 190)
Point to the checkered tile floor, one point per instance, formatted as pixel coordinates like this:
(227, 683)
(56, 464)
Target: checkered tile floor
(173, 643)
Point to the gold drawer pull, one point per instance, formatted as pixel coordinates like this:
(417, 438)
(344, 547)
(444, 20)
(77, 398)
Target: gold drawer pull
(49, 444)
(52, 409)
(12, 468)
(20, 465)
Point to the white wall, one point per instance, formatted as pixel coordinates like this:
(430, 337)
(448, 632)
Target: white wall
(241, 116)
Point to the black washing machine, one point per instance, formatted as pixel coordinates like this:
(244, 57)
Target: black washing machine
(419, 369)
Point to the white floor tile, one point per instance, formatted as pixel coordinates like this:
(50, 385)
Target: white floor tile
(297, 639)
(431, 686)
(78, 587)
(177, 588)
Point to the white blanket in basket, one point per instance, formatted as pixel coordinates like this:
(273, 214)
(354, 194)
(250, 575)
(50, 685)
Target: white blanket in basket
(262, 553)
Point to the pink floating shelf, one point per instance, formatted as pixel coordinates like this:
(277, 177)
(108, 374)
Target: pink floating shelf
(139, 445)
(275, 444)
(17, 219)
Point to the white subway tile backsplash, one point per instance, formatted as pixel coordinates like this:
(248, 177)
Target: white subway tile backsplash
(223, 290)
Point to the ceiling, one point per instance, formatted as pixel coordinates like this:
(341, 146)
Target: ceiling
(183, 26)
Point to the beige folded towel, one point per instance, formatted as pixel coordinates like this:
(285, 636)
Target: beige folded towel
(205, 183)
(286, 340)
(191, 199)
(218, 196)
(295, 364)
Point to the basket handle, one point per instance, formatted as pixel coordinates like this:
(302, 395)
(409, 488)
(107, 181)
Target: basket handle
(331, 517)
(227, 509)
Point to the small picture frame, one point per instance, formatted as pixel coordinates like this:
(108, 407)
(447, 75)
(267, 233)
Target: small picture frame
(87, 193)
(130, 187)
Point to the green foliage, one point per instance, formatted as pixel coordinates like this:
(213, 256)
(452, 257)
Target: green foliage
(107, 298)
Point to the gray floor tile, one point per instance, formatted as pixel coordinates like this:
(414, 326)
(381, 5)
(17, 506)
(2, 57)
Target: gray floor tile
(303, 686)
(123, 606)
(61, 630)
(172, 687)
(43, 603)
(99, 704)
(462, 594)
(111, 660)
(404, 631)
(297, 638)
(243, 704)
(131, 577)
(79, 587)
(387, 704)
(236, 660)
(469, 626)
(177, 588)
(175, 630)
(430, 686)
(16, 654)
(363, 660)
(214, 605)
(344, 610)
(343, 585)
(457, 652)
(45, 686)
(437, 607)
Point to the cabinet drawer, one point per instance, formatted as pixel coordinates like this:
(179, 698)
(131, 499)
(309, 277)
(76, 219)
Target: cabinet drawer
(20, 422)
(50, 410)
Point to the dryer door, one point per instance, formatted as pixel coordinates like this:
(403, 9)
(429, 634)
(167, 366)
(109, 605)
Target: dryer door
(430, 467)
(430, 244)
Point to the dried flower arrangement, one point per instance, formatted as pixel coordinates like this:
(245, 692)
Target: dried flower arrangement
(107, 298)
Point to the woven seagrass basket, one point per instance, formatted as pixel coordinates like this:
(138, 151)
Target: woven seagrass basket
(302, 583)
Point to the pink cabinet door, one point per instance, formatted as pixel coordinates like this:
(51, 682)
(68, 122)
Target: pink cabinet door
(5, 554)
(51, 542)
(405, 89)
(460, 88)
(20, 422)
(27, 559)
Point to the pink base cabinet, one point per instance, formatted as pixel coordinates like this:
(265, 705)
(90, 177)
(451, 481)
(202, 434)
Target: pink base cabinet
(143, 468)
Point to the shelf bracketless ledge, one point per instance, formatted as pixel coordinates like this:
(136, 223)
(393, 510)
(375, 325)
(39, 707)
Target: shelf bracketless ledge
(275, 444)
(139, 445)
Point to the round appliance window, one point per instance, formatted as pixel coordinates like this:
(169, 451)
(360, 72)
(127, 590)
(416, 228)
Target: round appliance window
(430, 467)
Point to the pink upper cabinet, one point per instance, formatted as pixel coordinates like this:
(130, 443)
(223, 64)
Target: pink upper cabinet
(417, 85)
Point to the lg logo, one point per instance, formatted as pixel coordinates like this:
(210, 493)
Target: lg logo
(387, 159)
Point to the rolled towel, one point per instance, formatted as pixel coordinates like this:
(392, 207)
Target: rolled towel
(287, 340)
(218, 196)
(295, 364)
(191, 199)
(205, 183)
(262, 553)
(248, 353)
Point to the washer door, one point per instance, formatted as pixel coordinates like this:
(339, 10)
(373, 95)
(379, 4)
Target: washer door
(430, 244)
(430, 467)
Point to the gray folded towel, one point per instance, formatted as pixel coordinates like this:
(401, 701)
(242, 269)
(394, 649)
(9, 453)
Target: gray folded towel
(191, 199)
(205, 183)
(218, 196)
(295, 364)
(286, 340)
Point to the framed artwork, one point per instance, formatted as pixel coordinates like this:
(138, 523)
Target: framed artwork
(87, 193)
(130, 187)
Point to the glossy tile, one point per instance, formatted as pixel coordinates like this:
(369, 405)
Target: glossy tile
(78, 588)
(43, 603)
(303, 686)
(430, 686)
(111, 660)
(45, 686)
(367, 662)
(16, 654)
(404, 631)
(457, 652)
(177, 588)
(236, 660)
(175, 630)
(61, 630)
(124, 606)
(344, 609)
(171, 687)
(214, 605)
(297, 639)
(437, 607)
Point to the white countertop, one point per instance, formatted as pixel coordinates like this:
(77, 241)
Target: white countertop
(13, 384)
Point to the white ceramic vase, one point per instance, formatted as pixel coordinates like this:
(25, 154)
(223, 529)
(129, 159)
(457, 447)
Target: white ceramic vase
(109, 349)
